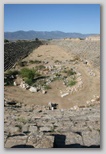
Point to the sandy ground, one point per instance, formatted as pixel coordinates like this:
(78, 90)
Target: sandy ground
(50, 53)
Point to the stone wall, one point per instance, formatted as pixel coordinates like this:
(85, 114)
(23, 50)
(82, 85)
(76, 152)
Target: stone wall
(34, 126)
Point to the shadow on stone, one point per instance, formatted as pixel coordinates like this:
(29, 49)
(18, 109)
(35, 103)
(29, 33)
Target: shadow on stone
(59, 142)
(22, 146)
(17, 135)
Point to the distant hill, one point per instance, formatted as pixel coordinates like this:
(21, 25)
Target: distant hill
(29, 35)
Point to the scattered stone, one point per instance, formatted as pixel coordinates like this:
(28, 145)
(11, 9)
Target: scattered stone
(98, 98)
(87, 102)
(75, 107)
(52, 106)
(33, 89)
(14, 83)
(45, 62)
(85, 62)
(92, 100)
(63, 95)
(44, 91)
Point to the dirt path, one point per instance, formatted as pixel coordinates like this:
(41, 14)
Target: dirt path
(51, 53)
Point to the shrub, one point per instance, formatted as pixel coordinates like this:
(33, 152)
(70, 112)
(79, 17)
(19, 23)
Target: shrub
(72, 83)
(29, 81)
(27, 73)
(81, 38)
(49, 39)
(36, 39)
(35, 61)
(57, 61)
(41, 82)
(22, 120)
(40, 67)
(46, 87)
(5, 40)
(9, 77)
(70, 72)
(8, 82)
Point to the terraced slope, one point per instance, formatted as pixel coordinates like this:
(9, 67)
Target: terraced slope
(85, 49)
(33, 126)
(15, 51)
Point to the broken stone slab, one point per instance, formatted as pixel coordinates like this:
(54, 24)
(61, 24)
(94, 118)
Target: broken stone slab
(33, 89)
(14, 83)
(44, 91)
(45, 124)
(45, 129)
(79, 79)
(94, 117)
(93, 125)
(45, 142)
(79, 117)
(62, 128)
(91, 137)
(25, 128)
(79, 126)
(75, 107)
(97, 98)
(13, 130)
(92, 100)
(22, 85)
(78, 74)
(32, 139)
(27, 86)
(85, 62)
(33, 129)
(63, 95)
(73, 138)
(15, 141)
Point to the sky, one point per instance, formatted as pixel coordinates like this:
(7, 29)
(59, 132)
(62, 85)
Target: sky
(81, 18)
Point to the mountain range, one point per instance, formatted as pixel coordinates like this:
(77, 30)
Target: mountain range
(30, 35)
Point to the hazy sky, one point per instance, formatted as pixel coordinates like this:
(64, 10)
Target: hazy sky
(82, 18)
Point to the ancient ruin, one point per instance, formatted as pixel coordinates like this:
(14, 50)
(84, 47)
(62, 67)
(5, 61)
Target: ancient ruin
(52, 93)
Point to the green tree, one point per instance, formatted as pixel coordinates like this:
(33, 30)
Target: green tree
(36, 39)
